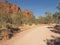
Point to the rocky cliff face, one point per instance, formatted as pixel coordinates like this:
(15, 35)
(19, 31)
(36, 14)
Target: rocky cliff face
(28, 14)
(12, 8)
(9, 8)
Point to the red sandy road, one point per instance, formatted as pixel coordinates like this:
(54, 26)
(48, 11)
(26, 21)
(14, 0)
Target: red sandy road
(35, 36)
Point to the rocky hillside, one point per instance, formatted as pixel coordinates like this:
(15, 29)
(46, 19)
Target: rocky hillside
(12, 8)
(11, 18)
(28, 14)
(8, 7)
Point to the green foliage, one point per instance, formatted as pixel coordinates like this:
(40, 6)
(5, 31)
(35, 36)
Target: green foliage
(30, 24)
(57, 17)
(36, 21)
(0, 25)
(41, 19)
(8, 25)
(3, 17)
(58, 6)
(18, 18)
(49, 17)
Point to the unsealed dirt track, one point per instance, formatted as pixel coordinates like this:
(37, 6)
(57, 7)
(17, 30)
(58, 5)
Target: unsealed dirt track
(34, 36)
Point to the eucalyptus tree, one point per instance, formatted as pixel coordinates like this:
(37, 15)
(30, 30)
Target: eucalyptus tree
(57, 14)
(58, 6)
(49, 17)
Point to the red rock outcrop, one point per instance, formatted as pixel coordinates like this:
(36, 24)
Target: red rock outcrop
(12, 8)
(8, 7)
(28, 14)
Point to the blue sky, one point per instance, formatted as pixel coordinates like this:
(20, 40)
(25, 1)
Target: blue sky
(38, 7)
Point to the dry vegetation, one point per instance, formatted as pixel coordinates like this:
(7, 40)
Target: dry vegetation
(13, 20)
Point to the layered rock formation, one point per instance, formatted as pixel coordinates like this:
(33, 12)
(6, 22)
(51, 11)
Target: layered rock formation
(9, 8)
(28, 14)
(12, 8)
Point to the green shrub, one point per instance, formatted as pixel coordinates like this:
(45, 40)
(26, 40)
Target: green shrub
(30, 24)
(8, 25)
(0, 25)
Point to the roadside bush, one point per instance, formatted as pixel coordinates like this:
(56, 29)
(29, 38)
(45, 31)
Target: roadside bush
(0, 25)
(55, 41)
(30, 24)
(8, 25)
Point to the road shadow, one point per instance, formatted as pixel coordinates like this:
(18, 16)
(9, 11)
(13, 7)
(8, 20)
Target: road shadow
(55, 31)
(8, 33)
(55, 41)
(49, 27)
